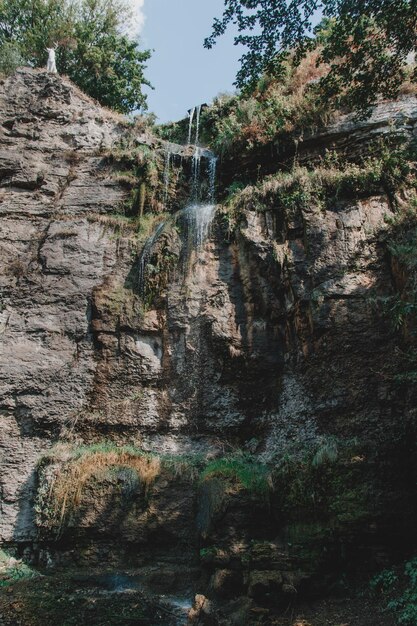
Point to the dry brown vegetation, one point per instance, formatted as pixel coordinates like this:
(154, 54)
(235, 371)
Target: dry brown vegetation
(77, 468)
(139, 227)
(409, 86)
(276, 108)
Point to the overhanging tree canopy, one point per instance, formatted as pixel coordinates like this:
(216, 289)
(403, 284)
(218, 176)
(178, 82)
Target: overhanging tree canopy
(366, 44)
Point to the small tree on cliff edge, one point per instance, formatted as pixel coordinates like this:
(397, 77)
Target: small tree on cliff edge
(95, 50)
(366, 44)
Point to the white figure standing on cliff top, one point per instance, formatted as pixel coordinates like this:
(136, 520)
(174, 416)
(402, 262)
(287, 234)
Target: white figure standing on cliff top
(51, 64)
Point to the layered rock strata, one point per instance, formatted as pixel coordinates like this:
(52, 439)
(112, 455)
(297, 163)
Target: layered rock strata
(264, 340)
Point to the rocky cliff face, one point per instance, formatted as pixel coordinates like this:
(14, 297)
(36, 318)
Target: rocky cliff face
(52, 259)
(264, 338)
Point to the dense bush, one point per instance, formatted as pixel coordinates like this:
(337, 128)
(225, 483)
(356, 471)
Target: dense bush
(390, 169)
(274, 109)
(399, 591)
(10, 58)
(93, 48)
(12, 570)
(241, 471)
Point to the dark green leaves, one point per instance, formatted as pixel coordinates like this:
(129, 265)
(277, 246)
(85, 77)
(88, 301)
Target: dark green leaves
(364, 42)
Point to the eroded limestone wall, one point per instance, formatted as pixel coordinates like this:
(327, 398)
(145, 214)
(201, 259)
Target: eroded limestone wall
(267, 340)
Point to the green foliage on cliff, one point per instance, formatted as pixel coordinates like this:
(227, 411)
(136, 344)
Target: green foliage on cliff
(94, 50)
(66, 471)
(365, 43)
(331, 180)
(398, 591)
(241, 471)
(123, 224)
(400, 307)
(141, 169)
(280, 113)
(402, 246)
(325, 498)
(176, 132)
(274, 109)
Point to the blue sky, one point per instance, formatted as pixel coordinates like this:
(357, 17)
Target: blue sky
(182, 71)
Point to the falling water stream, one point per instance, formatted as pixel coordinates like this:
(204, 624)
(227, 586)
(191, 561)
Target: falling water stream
(190, 124)
(195, 168)
(212, 178)
(197, 127)
(196, 217)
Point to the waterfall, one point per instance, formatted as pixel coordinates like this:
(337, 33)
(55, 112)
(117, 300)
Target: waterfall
(195, 168)
(196, 190)
(190, 124)
(199, 216)
(197, 129)
(212, 178)
(194, 111)
(196, 217)
(145, 256)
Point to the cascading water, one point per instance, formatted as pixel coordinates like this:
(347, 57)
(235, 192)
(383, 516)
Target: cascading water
(197, 129)
(195, 168)
(194, 111)
(196, 163)
(196, 218)
(212, 178)
(190, 124)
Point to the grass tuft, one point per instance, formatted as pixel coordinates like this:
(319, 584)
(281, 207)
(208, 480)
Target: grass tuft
(241, 472)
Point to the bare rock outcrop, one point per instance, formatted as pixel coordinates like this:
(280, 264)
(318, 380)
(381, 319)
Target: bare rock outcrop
(52, 182)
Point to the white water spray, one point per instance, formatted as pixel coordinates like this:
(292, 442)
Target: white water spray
(190, 124)
(197, 129)
(198, 219)
(195, 168)
(212, 178)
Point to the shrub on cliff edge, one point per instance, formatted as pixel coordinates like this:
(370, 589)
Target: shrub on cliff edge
(94, 50)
